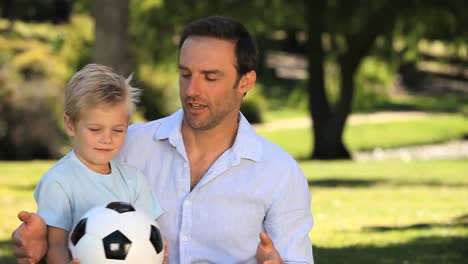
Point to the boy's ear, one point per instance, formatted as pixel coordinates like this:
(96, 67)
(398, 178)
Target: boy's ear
(69, 128)
(247, 82)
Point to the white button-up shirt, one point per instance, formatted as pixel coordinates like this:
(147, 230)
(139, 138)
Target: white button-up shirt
(253, 186)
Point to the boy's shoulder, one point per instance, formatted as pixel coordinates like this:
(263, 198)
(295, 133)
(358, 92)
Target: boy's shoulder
(60, 169)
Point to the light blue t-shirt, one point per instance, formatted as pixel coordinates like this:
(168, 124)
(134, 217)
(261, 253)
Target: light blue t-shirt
(69, 189)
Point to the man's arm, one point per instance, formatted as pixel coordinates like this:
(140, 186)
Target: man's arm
(289, 220)
(30, 238)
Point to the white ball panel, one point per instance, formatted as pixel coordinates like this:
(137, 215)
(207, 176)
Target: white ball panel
(88, 250)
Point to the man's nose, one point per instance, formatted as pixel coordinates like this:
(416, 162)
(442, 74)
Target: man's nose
(193, 86)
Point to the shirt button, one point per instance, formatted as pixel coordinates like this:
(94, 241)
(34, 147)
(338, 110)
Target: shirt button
(185, 238)
(187, 202)
(185, 165)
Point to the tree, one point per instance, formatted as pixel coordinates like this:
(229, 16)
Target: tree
(352, 35)
(352, 28)
(111, 34)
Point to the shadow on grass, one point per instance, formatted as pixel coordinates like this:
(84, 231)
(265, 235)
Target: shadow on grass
(6, 249)
(427, 249)
(430, 184)
(360, 183)
(21, 187)
(459, 221)
(350, 183)
(423, 249)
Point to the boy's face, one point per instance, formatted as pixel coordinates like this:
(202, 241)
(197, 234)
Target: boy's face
(99, 134)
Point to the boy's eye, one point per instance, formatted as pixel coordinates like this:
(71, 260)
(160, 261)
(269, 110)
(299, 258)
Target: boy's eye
(94, 129)
(118, 130)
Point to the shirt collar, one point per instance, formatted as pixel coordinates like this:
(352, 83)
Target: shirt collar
(247, 144)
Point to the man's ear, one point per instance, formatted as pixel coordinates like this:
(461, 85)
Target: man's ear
(69, 128)
(247, 82)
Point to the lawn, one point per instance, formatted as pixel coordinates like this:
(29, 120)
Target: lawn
(389, 211)
(365, 212)
(17, 183)
(367, 136)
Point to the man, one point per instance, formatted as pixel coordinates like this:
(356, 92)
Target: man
(219, 183)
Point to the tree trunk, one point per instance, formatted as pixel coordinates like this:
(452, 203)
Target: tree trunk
(329, 121)
(327, 124)
(111, 34)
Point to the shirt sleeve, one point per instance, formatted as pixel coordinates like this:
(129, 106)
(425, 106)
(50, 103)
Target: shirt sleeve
(146, 198)
(53, 204)
(289, 219)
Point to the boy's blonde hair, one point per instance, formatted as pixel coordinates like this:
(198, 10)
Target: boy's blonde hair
(98, 84)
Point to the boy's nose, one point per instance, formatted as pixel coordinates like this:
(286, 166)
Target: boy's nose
(106, 138)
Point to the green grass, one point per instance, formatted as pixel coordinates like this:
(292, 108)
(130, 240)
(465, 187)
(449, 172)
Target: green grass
(369, 212)
(440, 103)
(432, 129)
(389, 211)
(373, 212)
(270, 116)
(17, 183)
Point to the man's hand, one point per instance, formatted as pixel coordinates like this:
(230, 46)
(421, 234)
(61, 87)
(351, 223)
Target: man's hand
(166, 252)
(266, 251)
(30, 238)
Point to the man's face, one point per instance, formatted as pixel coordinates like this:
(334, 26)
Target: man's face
(210, 91)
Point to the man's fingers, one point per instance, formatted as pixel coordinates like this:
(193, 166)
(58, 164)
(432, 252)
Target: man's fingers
(166, 252)
(20, 253)
(24, 261)
(265, 240)
(15, 239)
(18, 246)
(24, 216)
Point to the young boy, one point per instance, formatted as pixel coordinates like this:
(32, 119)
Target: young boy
(98, 107)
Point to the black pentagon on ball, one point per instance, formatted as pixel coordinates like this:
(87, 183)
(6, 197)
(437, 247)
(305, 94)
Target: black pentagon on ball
(156, 239)
(79, 231)
(116, 245)
(121, 207)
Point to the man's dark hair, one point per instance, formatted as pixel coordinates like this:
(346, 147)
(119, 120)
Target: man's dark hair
(227, 29)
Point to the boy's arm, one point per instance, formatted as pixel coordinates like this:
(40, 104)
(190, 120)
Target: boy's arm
(58, 246)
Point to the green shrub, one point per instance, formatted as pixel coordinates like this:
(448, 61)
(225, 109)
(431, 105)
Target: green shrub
(372, 83)
(253, 105)
(160, 90)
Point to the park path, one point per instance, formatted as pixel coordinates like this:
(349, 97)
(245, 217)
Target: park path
(457, 149)
(378, 117)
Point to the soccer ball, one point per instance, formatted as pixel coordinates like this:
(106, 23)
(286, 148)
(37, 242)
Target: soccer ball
(116, 234)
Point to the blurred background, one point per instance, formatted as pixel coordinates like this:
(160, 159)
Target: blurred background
(371, 97)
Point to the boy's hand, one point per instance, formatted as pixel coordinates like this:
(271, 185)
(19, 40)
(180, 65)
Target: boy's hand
(266, 251)
(30, 238)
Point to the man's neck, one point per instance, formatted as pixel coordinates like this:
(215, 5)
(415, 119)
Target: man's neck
(204, 147)
(208, 140)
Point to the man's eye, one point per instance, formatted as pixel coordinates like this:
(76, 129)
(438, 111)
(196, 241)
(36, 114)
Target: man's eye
(210, 78)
